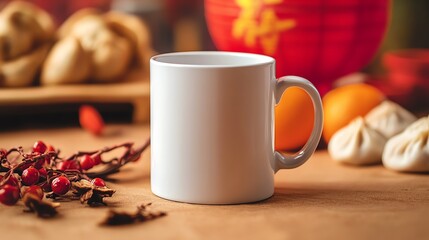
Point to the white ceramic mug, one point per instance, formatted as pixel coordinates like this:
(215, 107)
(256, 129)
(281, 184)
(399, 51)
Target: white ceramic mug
(212, 126)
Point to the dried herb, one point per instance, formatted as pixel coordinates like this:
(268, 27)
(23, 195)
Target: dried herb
(42, 208)
(143, 214)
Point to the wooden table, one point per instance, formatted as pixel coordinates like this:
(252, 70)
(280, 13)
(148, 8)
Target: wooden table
(320, 200)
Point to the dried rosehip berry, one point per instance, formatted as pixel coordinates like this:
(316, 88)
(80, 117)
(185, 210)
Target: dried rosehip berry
(30, 176)
(60, 185)
(98, 182)
(96, 158)
(9, 194)
(36, 190)
(39, 147)
(86, 162)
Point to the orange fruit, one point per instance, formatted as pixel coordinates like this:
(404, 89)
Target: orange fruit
(343, 104)
(294, 119)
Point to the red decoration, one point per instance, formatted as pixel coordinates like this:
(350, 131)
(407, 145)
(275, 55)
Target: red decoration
(317, 39)
(91, 120)
(408, 69)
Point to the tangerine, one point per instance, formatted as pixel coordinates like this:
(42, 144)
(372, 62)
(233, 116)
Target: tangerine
(294, 119)
(343, 104)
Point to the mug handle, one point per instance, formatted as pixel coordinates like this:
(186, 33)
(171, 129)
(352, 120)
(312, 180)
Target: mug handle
(287, 161)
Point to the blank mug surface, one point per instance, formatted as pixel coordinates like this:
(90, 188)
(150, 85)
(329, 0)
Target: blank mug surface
(212, 127)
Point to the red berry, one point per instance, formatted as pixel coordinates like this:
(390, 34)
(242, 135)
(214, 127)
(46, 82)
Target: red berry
(70, 164)
(96, 158)
(39, 147)
(9, 194)
(42, 172)
(12, 180)
(30, 176)
(39, 164)
(74, 165)
(36, 190)
(86, 162)
(63, 165)
(60, 185)
(98, 182)
(50, 148)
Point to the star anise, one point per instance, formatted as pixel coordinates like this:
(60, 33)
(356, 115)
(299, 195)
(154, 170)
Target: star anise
(88, 192)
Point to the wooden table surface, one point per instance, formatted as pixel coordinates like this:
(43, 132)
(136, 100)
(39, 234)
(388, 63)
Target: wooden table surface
(319, 200)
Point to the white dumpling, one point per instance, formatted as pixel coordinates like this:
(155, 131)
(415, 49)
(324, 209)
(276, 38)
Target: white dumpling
(420, 125)
(357, 144)
(409, 150)
(389, 118)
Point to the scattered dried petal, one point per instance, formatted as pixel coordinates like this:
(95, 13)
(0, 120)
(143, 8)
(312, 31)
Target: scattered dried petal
(86, 196)
(143, 214)
(104, 191)
(91, 120)
(115, 218)
(43, 209)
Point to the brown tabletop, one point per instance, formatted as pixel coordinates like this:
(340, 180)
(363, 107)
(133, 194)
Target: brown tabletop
(319, 200)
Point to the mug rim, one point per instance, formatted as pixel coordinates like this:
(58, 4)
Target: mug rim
(259, 59)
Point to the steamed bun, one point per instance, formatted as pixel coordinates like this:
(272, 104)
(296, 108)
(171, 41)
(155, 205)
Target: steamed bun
(389, 118)
(409, 150)
(357, 144)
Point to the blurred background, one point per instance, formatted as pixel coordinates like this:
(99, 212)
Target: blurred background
(376, 29)
(168, 18)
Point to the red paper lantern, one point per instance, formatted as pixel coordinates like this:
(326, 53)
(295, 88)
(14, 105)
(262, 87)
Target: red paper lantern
(317, 39)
